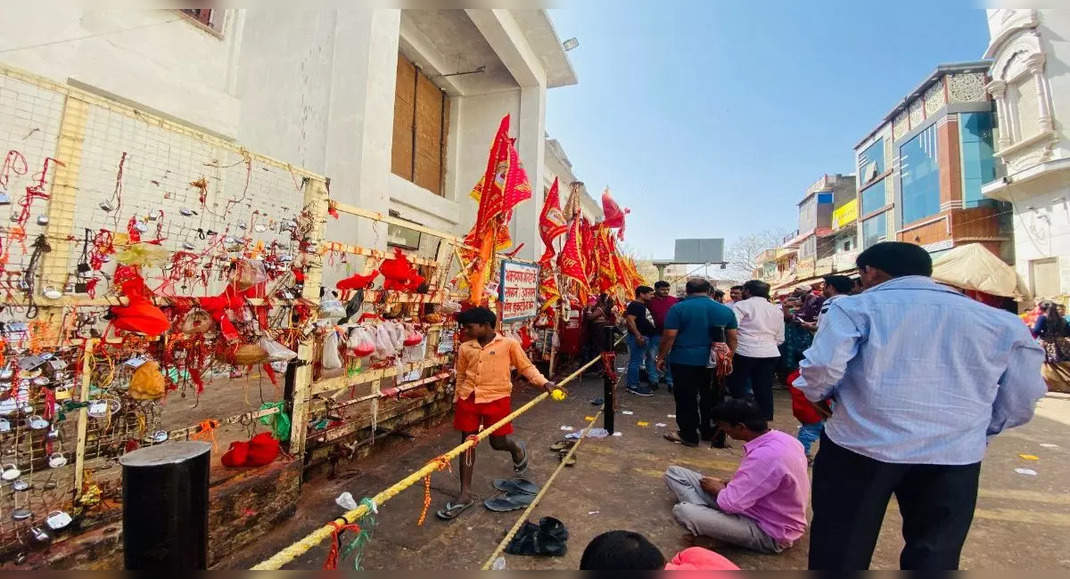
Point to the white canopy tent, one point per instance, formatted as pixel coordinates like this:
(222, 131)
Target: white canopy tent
(973, 267)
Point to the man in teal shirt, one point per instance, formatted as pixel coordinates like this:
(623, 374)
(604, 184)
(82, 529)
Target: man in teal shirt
(691, 328)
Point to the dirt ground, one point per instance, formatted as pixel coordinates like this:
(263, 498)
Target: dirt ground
(1022, 521)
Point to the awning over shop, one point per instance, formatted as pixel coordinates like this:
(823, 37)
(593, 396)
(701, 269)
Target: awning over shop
(973, 267)
(789, 286)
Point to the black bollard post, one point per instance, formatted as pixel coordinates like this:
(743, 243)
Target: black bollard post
(608, 383)
(165, 507)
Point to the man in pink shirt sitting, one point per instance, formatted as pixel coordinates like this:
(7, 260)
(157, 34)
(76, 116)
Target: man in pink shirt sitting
(763, 506)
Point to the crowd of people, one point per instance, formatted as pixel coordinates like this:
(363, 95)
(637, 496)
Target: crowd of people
(883, 381)
(898, 402)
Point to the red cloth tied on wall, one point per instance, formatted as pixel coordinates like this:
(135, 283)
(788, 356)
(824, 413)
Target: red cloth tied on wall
(357, 281)
(220, 306)
(399, 274)
(140, 315)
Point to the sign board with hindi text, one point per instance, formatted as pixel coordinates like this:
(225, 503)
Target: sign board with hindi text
(518, 291)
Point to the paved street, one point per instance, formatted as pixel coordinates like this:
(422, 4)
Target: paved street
(1022, 521)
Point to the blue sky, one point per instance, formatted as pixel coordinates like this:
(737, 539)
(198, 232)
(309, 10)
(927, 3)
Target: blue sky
(710, 118)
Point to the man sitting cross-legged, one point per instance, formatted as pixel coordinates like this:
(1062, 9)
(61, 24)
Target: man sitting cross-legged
(763, 506)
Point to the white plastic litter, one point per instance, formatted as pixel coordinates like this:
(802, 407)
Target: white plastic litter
(499, 564)
(618, 434)
(346, 501)
(1026, 471)
(1049, 445)
(628, 412)
(567, 428)
(660, 425)
(671, 415)
(593, 512)
(593, 433)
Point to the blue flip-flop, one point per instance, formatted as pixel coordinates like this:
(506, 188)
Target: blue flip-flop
(516, 486)
(453, 511)
(508, 502)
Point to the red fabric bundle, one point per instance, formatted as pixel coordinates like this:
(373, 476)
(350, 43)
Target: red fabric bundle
(259, 450)
(218, 306)
(357, 281)
(237, 455)
(263, 449)
(414, 283)
(801, 408)
(140, 315)
(398, 272)
(526, 339)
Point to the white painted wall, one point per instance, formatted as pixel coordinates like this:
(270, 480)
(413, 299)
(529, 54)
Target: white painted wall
(157, 58)
(1042, 226)
(1055, 42)
(1038, 182)
(311, 87)
(321, 95)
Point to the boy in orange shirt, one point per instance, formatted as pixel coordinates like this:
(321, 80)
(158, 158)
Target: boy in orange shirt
(482, 395)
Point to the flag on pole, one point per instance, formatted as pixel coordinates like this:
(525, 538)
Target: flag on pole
(552, 223)
(548, 290)
(571, 262)
(613, 214)
(503, 185)
(572, 208)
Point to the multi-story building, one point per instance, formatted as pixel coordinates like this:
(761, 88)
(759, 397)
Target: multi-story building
(809, 253)
(776, 266)
(920, 171)
(399, 107)
(845, 235)
(1031, 87)
(816, 239)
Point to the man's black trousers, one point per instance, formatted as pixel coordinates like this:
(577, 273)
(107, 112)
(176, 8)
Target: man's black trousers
(850, 496)
(695, 397)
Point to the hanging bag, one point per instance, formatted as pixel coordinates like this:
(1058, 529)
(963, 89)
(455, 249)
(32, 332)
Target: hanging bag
(330, 359)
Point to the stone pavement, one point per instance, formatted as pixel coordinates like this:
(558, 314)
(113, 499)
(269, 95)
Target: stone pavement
(1022, 521)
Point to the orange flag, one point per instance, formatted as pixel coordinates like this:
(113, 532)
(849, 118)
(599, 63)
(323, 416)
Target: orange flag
(485, 235)
(606, 277)
(548, 290)
(551, 223)
(571, 262)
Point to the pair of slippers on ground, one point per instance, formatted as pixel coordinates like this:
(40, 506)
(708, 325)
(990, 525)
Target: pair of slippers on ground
(562, 447)
(516, 493)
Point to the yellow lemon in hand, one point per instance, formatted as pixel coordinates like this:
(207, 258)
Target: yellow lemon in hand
(558, 395)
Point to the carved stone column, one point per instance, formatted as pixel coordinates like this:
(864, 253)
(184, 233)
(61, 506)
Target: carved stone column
(1035, 62)
(998, 90)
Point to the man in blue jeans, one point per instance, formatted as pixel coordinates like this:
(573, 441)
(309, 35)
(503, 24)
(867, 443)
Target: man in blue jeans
(641, 331)
(659, 308)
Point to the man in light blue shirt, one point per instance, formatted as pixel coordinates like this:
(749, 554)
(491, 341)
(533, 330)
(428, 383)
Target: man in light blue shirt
(921, 376)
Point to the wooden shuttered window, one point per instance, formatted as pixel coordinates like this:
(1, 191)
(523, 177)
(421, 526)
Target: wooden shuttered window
(421, 119)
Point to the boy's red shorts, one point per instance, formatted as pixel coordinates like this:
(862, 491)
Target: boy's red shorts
(468, 415)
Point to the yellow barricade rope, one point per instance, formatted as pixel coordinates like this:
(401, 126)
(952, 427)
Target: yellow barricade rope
(527, 512)
(323, 533)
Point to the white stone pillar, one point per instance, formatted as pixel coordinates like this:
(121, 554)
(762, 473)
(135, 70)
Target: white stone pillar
(360, 125)
(531, 145)
(1036, 68)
